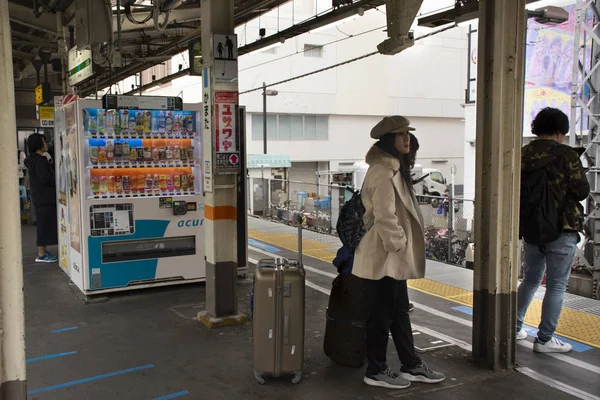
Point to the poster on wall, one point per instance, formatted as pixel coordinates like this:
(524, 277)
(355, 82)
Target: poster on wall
(549, 66)
(226, 140)
(72, 176)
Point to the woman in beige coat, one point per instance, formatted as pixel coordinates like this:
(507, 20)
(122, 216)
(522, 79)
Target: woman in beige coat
(392, 251)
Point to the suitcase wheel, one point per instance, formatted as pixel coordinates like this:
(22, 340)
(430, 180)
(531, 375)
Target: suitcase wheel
(297, 377)
(259, 377)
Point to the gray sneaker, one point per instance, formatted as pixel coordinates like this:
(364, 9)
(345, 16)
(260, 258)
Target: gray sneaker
(421, 373)
(386, 379)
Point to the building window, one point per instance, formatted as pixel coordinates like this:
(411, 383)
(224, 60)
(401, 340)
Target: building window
(291, 127)
(313, 50)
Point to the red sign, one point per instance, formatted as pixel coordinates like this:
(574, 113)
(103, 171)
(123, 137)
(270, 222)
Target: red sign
(69, 98)
(225, 122)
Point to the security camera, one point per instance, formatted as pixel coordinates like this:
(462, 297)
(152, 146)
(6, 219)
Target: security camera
(550, 15)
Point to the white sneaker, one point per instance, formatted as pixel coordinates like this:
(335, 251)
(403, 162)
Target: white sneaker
(552, 346)
(521, 334)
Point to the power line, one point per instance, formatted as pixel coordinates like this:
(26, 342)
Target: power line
(309, 49)
(342, 63)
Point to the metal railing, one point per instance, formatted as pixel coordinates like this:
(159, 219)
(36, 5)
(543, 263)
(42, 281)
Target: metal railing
(447, 229)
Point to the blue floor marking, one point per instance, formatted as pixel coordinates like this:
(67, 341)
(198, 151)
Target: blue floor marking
(93, 378)
(51, 356)
(172, 395)
(263, 246)
(531, 331)
(65, 329)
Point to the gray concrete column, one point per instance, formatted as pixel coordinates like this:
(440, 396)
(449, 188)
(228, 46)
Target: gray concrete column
(499, 131)
(12, 321)
(220, 213)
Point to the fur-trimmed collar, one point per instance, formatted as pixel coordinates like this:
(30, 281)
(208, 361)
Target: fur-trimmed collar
(378, 156)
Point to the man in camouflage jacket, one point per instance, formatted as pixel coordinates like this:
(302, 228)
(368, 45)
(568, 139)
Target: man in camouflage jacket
(566, 177)
(569, 184)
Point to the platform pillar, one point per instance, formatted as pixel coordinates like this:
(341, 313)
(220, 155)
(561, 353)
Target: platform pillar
(220, 183)
(12, 321)
(498, 153)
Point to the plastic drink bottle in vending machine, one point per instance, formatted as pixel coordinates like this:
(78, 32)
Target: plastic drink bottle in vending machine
(162, 153)
(102, 155)
(177, 182)
(118, 152)
(101, 120)
(189, 125)
(119, 184)
(139, 122)
(149, 183)
(126, 184)
(162, 123)
(94, 154)
(133, 185)
(132, 121)
(169, 122)
(176, 123)
(111, 184)
(191, 182)
(183, 154)
(95, 185)
(140, 154)
(103, 185)
(155, 155)
(190, 154)
(124, 121)
(176, 153)
(163, 183)
(156, 183)
(133, 154)
(125, 150)
(184, 182)
(170, 186)
(110, 151)
(147, 154)
(169, 153)
(141, 183)
(110, 121)
(154, 123)
(147, 122)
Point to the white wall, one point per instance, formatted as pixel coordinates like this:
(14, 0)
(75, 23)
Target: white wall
(440, 139)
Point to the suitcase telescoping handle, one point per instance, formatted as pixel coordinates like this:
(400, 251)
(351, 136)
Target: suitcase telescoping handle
(300, 220)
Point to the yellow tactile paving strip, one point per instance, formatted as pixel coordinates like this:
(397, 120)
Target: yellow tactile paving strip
(573, 324)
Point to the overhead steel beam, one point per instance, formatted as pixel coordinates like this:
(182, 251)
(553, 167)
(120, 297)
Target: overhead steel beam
(31, 43)
(180, 44)
(311, 24)
(158, 82)
(25, 16)
(24, 55)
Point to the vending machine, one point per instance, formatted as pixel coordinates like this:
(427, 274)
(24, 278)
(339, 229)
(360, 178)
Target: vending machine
(130, 204)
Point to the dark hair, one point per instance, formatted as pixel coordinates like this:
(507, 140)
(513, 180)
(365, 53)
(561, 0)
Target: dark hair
(35, 142)
(387, 143)
(549, 121)
(411, 158)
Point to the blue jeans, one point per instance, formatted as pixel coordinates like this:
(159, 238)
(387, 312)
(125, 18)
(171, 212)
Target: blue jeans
(556, 260)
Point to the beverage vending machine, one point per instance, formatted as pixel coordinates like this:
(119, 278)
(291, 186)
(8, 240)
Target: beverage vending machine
(130, 206)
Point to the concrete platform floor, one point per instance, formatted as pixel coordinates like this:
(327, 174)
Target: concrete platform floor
(147, 344)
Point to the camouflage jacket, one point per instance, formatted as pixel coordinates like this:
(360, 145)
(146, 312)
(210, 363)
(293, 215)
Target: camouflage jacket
(566, 176)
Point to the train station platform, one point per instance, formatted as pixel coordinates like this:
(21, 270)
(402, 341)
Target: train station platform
(148, 344)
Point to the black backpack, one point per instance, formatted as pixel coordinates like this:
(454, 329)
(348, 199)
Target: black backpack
(350, 227)
(539, 219)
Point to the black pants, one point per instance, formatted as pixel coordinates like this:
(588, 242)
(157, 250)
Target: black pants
(47, 226)
(390, 314)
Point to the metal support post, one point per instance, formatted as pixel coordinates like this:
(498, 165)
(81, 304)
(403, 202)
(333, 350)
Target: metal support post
(498, 146)
(585, 132)
(220, 208)
(264, 94)
(12, 316)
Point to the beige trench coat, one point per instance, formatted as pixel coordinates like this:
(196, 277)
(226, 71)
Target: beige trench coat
(395, 245)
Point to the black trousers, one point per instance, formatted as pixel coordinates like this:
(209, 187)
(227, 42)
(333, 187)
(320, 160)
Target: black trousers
(389, 315)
